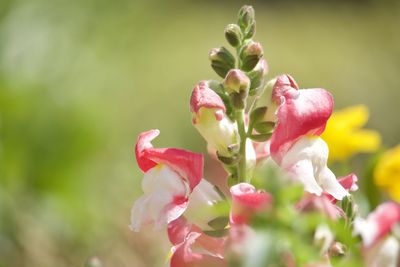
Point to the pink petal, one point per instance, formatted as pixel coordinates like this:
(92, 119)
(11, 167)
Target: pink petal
(246, 201)
(313, 203)
(186, 163)
(184, 256)
(179, 229)
(302, 112)
(202, 96)
(282, 84)
(185, 237)
(348, 182)
(144, 142)
(383, 218)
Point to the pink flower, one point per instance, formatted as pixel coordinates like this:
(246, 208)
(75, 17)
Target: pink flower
(192, 248)
(170, 176)
(295, 145)
(312, 203)
(348, 182)
(246, 201)
(210, 119)
(380, 248)
(379, 223)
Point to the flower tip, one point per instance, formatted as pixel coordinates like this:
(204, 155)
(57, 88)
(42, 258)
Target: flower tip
(203, 96)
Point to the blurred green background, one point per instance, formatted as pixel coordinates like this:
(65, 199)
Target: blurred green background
(80, 79)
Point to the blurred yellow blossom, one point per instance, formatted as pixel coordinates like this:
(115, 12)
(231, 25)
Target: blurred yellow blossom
(344, 135)
(387, 173)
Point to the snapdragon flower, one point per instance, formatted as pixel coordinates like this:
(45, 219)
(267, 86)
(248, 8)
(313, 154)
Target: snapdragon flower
(210, 119)
(295, 143)
(171, 174)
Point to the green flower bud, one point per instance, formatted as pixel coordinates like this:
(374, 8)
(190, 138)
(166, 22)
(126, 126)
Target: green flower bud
(246, 17)
(257, 75)
(251, 31)
(221, 60)
(238, 100)
(236, 81)
(251, 55)
(233, 35)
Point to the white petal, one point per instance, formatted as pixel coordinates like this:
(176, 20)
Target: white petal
(251, 157)
(200, 210)
(368, 230)
(306, 160)
(218, 133)
(161, 185)
(303, 171)
(384, 254)
(331, 185)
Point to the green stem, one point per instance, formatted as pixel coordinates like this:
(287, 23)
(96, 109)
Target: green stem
(239, 116)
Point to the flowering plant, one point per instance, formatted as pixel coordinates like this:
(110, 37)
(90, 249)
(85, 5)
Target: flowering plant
(279, 204)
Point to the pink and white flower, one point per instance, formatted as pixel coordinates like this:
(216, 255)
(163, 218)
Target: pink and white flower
(170, 175)
(210, 119)
(380, 248)
(246, 201)
(295, 144)
(192, 248)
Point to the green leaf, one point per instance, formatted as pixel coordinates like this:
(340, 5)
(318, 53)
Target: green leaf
(217, 233)
(264, 127)
(258, 114)
(219, 223)
(260, 137)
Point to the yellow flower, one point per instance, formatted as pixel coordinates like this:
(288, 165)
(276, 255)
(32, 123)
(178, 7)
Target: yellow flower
(387, 173)
(344, 135)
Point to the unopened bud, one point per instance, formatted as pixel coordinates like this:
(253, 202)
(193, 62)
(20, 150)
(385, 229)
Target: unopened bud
(257, 75)
(221, 60)
(246, 17)
(251, 55)
(236, 81)
(233, 35)
(251, 31)
(238, 100)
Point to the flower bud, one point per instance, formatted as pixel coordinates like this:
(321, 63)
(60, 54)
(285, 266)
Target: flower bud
(257, 75)
(221, 60)
(211, 121)
(251, 55)
(236, 81)
(251, 31)
(233, 35)
(246, 18)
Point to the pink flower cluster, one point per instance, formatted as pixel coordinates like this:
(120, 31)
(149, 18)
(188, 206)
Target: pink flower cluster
(174, 186)
(285, 134)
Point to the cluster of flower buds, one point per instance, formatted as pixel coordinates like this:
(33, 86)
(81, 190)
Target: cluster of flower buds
(242, 135)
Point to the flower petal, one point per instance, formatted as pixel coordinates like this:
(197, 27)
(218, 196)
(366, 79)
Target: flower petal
(164, 200)
(186, 237)
(378, 223)
(186, 163)
(302, 112)
(306, 161)
(204, 97)
(246, 200)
